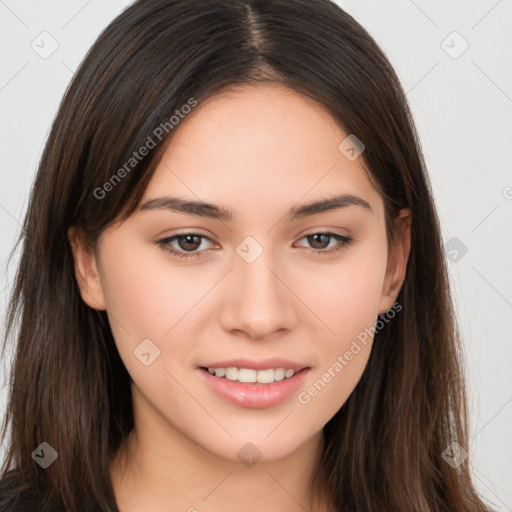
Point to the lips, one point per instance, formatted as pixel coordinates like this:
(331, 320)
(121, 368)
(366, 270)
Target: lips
(263, 364)
(254, 384)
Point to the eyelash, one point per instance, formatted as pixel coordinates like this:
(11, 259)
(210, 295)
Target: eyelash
(164, 243)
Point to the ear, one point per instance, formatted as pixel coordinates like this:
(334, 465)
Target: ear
(86, 271)
(397, 261)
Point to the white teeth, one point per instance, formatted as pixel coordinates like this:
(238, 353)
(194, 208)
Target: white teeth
(245, 375)
(265, 376)
(253, 376)
(232, 373)
(279, 374)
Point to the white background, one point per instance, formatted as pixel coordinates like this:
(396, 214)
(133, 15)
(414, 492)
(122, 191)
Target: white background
(462, 108)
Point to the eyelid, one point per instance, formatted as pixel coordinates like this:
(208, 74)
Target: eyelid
(165, 244)
(342, 242)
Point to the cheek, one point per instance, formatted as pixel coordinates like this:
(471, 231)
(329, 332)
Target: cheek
(147, 300)
(342, 356)
(146, 294)
(347, 302)
(332, 385)
(147, 303)
(346, 298)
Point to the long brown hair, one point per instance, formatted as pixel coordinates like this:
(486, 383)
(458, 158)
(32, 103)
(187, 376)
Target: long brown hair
(383, 449)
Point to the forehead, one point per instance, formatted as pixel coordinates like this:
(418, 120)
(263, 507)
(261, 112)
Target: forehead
(240, 122)
(266, 143)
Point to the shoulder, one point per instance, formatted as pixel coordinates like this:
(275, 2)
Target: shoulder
(13, 499)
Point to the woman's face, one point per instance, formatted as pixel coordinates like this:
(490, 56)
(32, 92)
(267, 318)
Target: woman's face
(250, 291)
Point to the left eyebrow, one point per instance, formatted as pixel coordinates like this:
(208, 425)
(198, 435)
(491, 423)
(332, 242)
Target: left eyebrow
(333, 203)
(202, 209)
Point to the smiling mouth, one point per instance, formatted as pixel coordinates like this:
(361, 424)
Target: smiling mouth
(250, 376)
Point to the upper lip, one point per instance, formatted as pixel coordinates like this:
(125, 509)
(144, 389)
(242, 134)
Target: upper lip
(264, 364)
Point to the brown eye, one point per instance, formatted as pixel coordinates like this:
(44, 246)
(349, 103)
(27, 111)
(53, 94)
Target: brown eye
(188, 244)
(184, 245)
(316, 242)
(319, 242)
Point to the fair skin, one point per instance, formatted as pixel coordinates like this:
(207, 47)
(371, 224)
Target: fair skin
(256, 151)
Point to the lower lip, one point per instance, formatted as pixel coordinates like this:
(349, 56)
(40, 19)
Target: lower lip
(254, 396)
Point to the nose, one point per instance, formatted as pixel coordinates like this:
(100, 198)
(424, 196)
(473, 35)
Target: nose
(258, 301)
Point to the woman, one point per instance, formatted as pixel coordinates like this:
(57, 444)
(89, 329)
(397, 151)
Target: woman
(232, 291)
